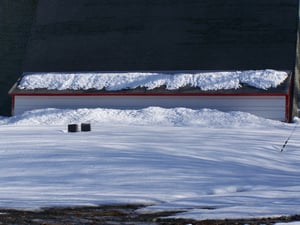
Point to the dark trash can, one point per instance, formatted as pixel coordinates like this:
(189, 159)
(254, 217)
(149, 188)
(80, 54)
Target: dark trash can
(72, 128)
(85, 127)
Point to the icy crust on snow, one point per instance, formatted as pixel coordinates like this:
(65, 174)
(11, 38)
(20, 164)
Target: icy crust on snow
(151, 116)
(206, 81)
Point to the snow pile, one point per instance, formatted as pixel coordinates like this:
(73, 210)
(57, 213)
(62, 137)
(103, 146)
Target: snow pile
(263, 79)
(151, 116)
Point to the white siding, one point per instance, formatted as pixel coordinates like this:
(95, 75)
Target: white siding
(272, 107)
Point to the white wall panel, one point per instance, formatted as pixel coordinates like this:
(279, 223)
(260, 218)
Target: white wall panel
(272, 107)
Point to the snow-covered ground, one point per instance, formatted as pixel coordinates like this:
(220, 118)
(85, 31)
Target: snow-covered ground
(205, 163)
(291, 223)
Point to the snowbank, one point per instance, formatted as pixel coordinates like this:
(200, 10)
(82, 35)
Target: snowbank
(262, 79)
(152, 116)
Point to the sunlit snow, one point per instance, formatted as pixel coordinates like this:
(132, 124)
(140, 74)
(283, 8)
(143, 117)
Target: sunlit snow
(204, 163)
(113, 81)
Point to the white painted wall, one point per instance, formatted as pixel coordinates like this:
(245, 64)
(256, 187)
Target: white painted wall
(272, 107)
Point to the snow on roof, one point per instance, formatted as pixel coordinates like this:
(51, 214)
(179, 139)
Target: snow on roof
(113, 81)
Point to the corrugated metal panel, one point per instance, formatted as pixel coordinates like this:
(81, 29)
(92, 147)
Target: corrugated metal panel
(272, 107)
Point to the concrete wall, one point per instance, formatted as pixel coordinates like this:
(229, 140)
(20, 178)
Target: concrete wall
(70, 35)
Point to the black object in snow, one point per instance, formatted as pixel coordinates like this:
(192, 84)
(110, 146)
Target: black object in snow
(72, 128)
(85, 127)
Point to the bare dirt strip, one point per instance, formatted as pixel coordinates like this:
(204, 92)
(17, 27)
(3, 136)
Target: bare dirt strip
(115, 215)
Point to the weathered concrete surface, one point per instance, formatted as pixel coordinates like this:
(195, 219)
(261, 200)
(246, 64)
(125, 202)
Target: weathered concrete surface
(109, 35)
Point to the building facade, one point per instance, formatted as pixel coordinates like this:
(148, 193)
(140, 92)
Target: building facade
(142, 35)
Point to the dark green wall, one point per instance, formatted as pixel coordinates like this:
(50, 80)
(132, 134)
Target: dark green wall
(110, 35)
(16, 18)
(163, 35)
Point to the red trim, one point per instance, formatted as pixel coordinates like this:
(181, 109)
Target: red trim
(288, 103)
(287, 108)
